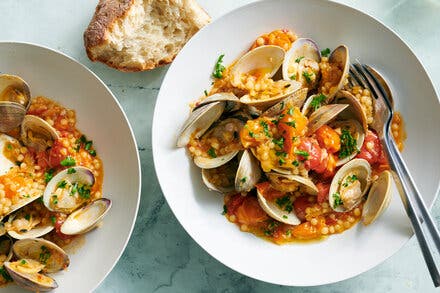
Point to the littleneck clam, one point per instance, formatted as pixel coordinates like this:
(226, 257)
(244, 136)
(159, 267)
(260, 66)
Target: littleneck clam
(379, 198)
(26, 275)
(232, 102)
(86, 218)
(339, 62)
(291, 183)
(248, 172)
(68, 190)
(5, 249)
(276, 212)
(14, 100)
(34, 228)
(349, 185)
(53, 257)
(226, 131)
(301, 62)
(199, 122)
(355, 109)
(37, 133)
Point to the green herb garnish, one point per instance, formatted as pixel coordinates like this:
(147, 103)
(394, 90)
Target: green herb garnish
(295, 163)
(211, 153)
(307, 76)
(219, 68)
(348, 144)
(349, 180)
(68, 162)
(291, 123)
(284, 203)
(290, 111)
(5, 274)
(27, 217)
(71, 171)
(62, 184)
(44, 254)
(53, 219)
(243, 180)
(317, 101)
(337, 201)
(48, 175)
(265, 128)
(297, 60)
(205, 92)
(293, 76)
(225, 210)
(325, 52)
(23, 262)
(302, 153)
(279, 142)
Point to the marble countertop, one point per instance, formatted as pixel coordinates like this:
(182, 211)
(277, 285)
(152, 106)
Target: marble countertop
(160, 256)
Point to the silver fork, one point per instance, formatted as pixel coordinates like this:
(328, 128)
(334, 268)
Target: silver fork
(415, 207)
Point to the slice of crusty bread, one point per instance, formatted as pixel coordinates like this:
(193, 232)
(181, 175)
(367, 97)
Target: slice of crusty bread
(136, 35)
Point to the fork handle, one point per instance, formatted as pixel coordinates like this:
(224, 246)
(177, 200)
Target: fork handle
(414, 207)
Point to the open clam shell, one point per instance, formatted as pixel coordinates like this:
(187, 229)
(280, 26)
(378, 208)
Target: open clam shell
(34, 232)
(227, 129)
(294, 100)
(231, 100)
(37, 133)
(31, 281)
(324, 115)
(302, 59)
(14, 89)
(355, 109)
(11, 115)
(291, 183)
(268, 59)
(248, 172)
(349, 185)
(48, 253)
(379, 198)
(277, 213)
(199, 122)
(68, 190)
(86, 218)
(5, 163)
(340, 58)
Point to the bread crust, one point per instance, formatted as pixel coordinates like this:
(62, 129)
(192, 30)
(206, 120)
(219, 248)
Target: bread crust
(107, 12)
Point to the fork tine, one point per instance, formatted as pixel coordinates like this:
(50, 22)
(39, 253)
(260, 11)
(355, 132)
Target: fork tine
(359, 78)
(374, 85)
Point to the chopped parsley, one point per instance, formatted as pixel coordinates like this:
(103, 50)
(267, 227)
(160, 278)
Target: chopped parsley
(297, 60)
(9, 146)
(349, 180)
(68, 162)
(281, 154)
(284, 203)
(92, 153)
(337, 201)
(62, 184)
(284, 217)
(23, 262)
(48, 175)
(5, 274)
(74, 189)
(290, 111)
(44, 254)
(265, 128)
(288, 233)
(272, 225)
(205, 92)
(27, 217)
(281, 161)
(325, 52)
(88, 144)
(279, 142)
(84, 191)
(291, 123)
(303, 154)
(219, 68)
(243, 180)
(348, 144)
(53, 220)
(317, 101)
(55, 199)
(307, 76)
(293, 76)
(71, 171)
(211, 153)
(251, 134)
(225, 210)
(295, 163)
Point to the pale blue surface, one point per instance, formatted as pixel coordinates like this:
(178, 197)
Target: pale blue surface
(160, 256)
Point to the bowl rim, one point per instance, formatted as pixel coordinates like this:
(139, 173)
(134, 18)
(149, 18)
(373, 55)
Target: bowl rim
(250, 6)
(139, 170)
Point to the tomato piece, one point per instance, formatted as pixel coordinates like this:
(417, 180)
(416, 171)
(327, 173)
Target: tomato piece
(330, 169)
(233, 204)
(250, 212)
(55, 156)
(323, 189)
(328, 139)
(371, 149)
(300, 205)
(305, 231)
(317, 158)
(269, 193)
(291, 125)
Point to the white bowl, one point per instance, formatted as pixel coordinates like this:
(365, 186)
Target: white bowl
(199, 211)
(101, 118)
